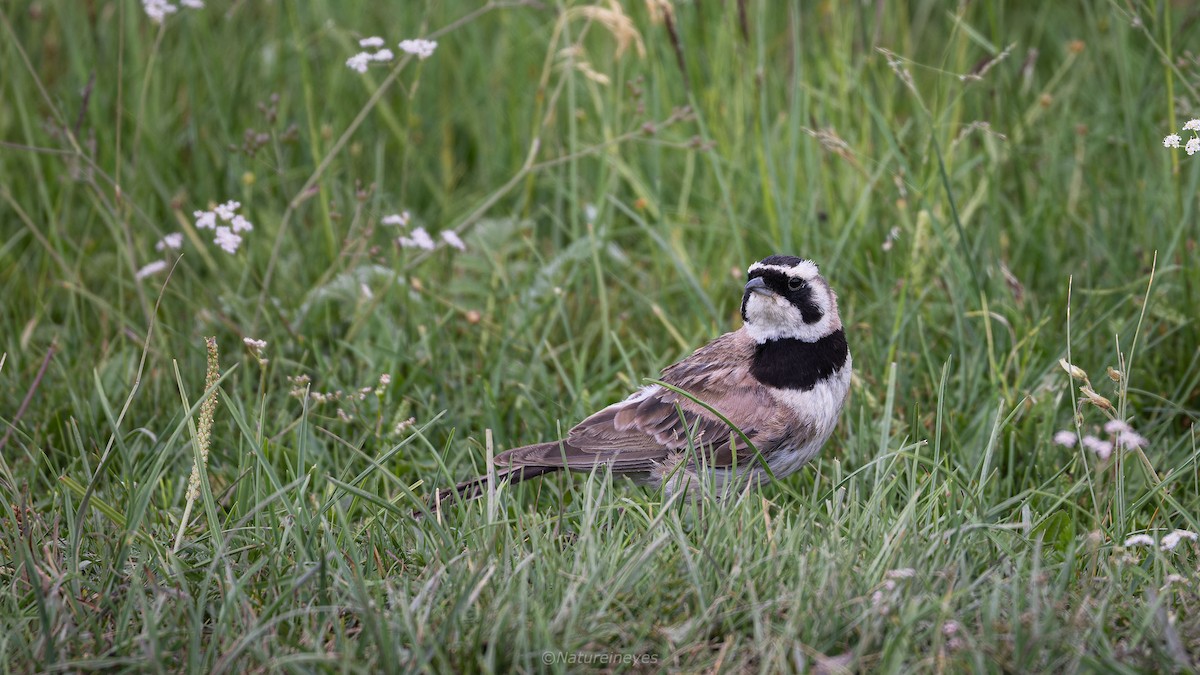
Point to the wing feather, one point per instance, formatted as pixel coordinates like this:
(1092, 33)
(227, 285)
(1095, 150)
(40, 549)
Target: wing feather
(647, 428)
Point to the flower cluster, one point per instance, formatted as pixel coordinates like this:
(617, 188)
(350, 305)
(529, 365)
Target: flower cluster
(227, 236)
(1121, 436)
(350, 405)
(1193, 144)
(158, 10)
(419, 237)
(886, 594)
(1168, 543)
(422, 49)
(360, 61)
(170, 242)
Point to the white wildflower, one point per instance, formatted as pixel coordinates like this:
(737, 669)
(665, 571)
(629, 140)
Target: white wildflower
(1115, 427)
(590, 212)
(359, 62)
(1102, 448)
(383, 55)
(255, 346)
(151, 269)
(1192, 125)
(419, 239)
(400, 219)
(890, 241)
(205, 220)
(403, 426)
(451, 237)
(227, 210)
(171, 241)
(192, 4)
(1193, 146)
(1172, 540)
(158, 10)
(1171, 141)
(227, 240)
(423, 49)
(385, 380)
(1130, 440)
(951, 628)
(371, 42)
(1065, 438)
(240, 224)
(1139, 540)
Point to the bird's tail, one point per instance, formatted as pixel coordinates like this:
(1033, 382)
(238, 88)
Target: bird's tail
(477, 487)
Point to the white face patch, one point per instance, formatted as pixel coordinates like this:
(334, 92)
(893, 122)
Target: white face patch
(772, 317)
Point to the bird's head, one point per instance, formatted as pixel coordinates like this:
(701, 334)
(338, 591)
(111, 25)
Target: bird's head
(786, 297)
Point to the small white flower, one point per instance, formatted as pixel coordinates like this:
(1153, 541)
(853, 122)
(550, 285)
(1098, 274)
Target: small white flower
(192, 4)
(423, 49)
(1192, 125)
(1139, 540)
(1171, 141)
(1065, 438)
(255, 346)
(451, 237)
(1102, 448)
(1130, 440)
(371, 42)
(385, 380)
(419, 239)
(227, 240)
(1193, 146)
(383, 55)
(205, 220)
(171, 241)
(240, 224)
(227, 210)
(151, 269)
(951, 628)
(403, 425)
(1115, 427)
(158, 10)
(400, 219)
(359, 62)
(590, 212)
(1172, 540)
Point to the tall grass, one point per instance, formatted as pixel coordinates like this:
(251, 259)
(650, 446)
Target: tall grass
(968, 177)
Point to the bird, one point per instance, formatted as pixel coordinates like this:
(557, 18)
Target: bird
(769, 393)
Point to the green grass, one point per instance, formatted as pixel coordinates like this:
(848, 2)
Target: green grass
(789, 133)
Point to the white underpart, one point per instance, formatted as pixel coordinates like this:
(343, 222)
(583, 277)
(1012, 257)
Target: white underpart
(771, 317)
(819, 409)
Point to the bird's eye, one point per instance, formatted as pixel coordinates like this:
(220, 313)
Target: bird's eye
(795, 284)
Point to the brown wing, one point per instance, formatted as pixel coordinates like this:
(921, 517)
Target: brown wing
(637, 433)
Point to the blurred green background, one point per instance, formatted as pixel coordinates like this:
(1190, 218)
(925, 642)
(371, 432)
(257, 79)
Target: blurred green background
(962, 172)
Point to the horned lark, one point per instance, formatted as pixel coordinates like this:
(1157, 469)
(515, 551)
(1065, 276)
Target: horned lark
(781, 380)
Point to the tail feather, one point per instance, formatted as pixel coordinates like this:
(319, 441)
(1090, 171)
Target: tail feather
(477, 487)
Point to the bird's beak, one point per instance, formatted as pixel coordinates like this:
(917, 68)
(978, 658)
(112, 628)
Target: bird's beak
(757, 285)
